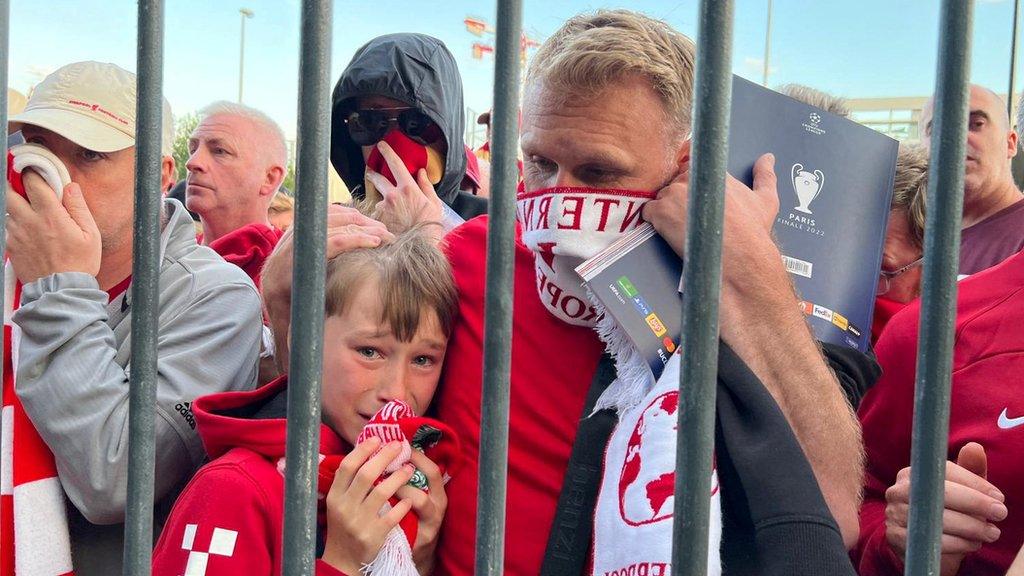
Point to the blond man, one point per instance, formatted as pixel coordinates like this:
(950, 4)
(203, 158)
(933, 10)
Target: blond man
(605, 136)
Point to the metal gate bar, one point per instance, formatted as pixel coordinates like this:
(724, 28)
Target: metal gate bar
(938, 310)
(5, 29)
(702, 274)
(145, 295)
(493, 471)
(309, 272)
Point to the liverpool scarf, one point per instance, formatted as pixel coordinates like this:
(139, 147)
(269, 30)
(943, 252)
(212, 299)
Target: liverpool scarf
(396, 422)
(33, 518)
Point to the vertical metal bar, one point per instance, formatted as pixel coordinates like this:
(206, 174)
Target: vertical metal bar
(938, 310)
(307, 314)
(702, 274)
(490, 518)
(1013, 61)
(138, 530)
(5, 17)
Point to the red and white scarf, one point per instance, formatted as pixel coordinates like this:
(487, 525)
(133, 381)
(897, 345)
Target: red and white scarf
(633, 519)
(32, 507)
(565, 226)
(33, 517)
(396, 422)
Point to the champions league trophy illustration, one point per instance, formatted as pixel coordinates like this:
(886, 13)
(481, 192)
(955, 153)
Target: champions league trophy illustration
(807, 186)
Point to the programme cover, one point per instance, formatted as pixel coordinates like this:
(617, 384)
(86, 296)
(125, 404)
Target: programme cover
(835, 181)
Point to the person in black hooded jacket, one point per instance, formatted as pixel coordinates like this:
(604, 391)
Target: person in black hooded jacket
(404, 89)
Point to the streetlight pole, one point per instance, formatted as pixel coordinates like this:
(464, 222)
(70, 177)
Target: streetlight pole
(1013, 62)
(246, 13)
(767, 45)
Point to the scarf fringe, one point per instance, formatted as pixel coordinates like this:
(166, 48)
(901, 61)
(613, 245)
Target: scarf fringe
(395, 556)
(634, 379)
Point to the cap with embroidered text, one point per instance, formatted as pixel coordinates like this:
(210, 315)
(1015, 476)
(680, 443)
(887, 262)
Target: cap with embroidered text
(93, 105)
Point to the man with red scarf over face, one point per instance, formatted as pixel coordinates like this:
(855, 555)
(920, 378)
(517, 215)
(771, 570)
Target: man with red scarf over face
(404, 90)
(605, 144)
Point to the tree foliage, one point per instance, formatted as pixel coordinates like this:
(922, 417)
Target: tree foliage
(182, 130)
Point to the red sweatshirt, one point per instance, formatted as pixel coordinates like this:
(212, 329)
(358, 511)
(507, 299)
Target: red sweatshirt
(248, 247)
(988, 360)
(885, 309)
(229, 519)
(553, 364)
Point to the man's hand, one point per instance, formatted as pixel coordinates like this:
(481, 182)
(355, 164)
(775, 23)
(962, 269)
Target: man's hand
(747, 211)
(972, 504)
(760, 320)
(429, 507)
(347, 229)
(45, 237)
(355, 530)
(410, 200)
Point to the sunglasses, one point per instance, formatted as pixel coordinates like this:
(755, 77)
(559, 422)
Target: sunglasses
(368, 126)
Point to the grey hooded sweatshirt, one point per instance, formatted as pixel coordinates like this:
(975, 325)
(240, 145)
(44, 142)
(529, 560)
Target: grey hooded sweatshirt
(73, 379)
(419, 70)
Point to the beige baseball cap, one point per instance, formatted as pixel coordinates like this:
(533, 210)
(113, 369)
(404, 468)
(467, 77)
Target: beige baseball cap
(93, 105)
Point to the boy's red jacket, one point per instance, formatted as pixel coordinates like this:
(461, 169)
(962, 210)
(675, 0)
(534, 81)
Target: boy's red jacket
(229, 518)
(986, 406)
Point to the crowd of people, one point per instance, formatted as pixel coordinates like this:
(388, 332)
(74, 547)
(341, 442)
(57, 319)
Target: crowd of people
(812, 440)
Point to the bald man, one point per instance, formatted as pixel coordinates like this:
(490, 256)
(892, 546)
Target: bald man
(237, 159)
(993, 217)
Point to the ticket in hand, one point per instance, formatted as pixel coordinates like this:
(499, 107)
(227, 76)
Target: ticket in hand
(21, 156)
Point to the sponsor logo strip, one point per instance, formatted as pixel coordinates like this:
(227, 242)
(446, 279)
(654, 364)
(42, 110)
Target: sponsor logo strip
(656, 325)
(628, 287)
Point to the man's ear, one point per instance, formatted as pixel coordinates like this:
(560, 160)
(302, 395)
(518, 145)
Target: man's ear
(1012, 143)
(272, 181)
(167, 174)
(683, 155)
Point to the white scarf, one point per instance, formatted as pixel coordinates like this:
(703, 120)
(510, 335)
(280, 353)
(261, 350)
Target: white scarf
(565, 226)
(633, 519)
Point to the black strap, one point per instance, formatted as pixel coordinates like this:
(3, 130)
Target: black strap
(573, 527)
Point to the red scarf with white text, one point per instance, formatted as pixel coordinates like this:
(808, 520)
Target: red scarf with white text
(565, 226)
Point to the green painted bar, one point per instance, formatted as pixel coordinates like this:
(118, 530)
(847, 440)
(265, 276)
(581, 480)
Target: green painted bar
(490, 523)
(5, 19)
(307, 318)
(702, 274)
(938, 310)
(138, 537)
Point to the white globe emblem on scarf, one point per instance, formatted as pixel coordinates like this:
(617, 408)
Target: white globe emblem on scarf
(647, 480)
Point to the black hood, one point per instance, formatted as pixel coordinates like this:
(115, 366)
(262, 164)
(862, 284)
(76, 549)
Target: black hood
(412, 68)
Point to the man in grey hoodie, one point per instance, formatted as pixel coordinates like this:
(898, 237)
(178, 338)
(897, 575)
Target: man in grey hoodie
(73, 259)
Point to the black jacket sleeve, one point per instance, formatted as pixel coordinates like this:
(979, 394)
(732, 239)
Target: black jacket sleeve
(856, 371)
(774, 519)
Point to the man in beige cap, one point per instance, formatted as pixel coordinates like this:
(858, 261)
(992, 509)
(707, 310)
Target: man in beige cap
(72, 258)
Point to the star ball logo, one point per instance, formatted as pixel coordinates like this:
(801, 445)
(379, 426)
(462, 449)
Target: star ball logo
(813, 124)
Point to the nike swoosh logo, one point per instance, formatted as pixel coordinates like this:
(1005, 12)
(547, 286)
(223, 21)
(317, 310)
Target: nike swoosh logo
(1007, 423)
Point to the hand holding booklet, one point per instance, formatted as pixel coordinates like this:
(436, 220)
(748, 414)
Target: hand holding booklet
(835, 180)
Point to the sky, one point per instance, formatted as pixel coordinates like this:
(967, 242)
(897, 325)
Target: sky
(871, 48)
